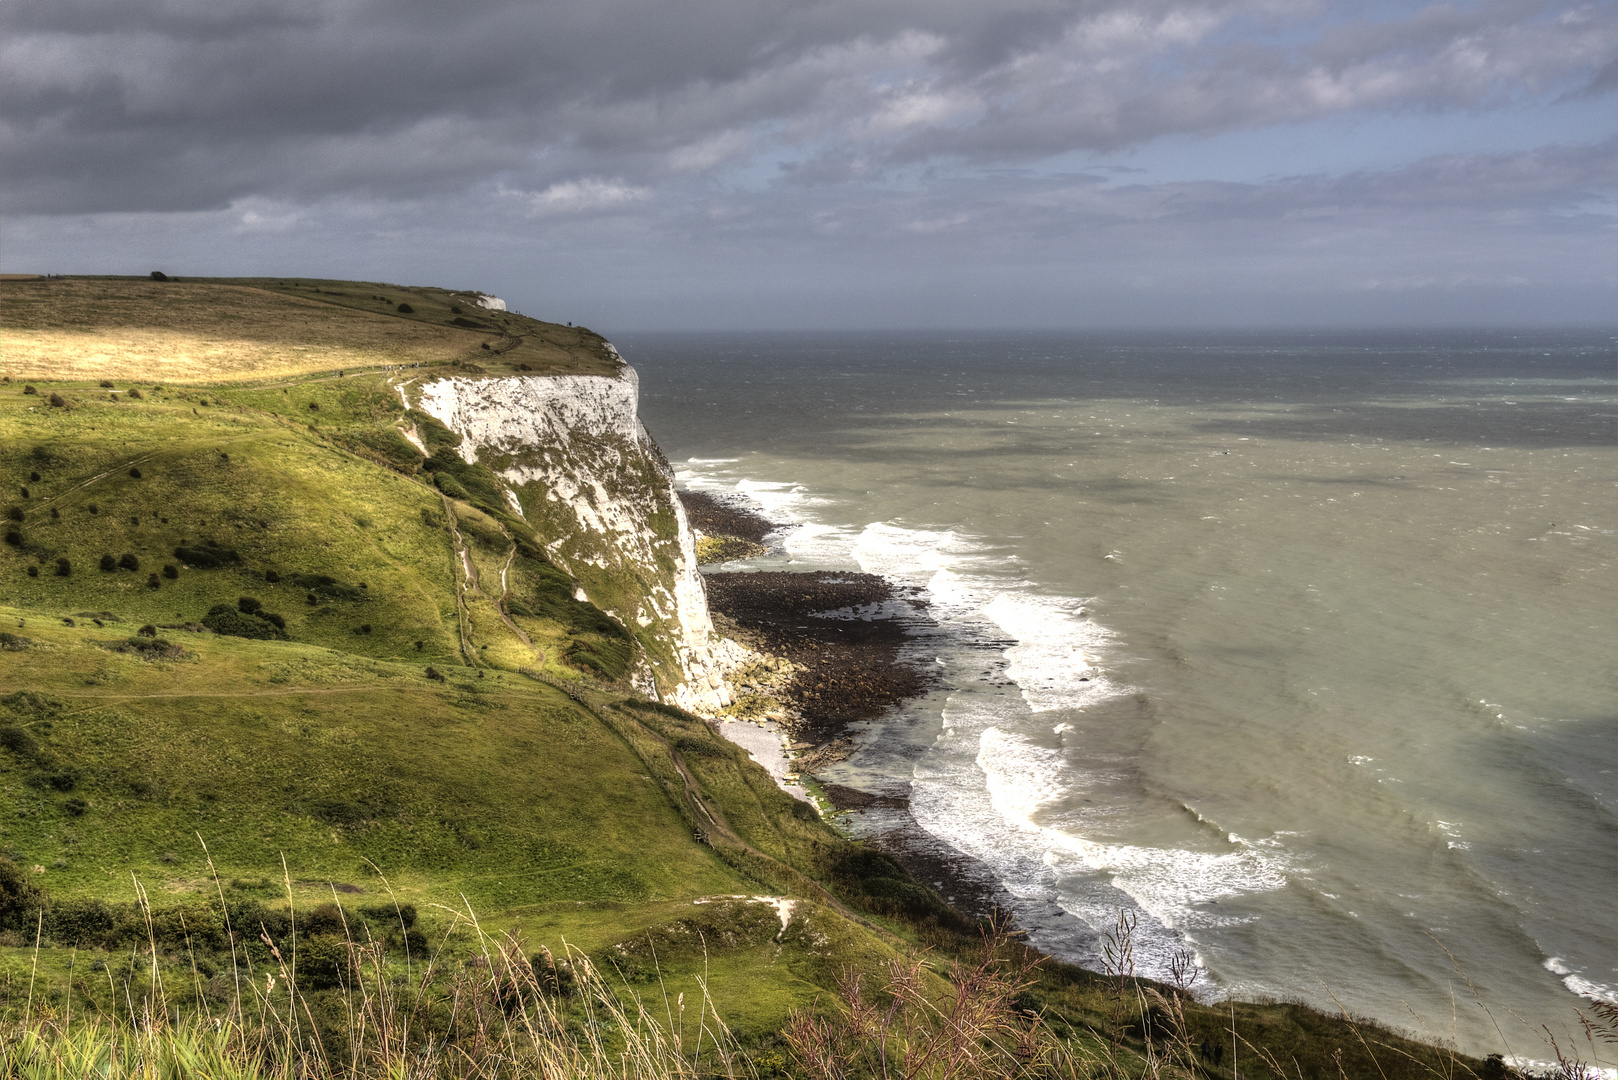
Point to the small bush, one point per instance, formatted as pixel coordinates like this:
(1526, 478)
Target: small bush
(20, 899)
(18, 741)
(59, 780)
(25, 493)
(436, 675)
(271, 576)
(158, 275)
(108, 563)
(363, 628)
(226, 620)
(248, 605)
(273, 619)
(136, 394)
(406, 309)
(450, 486)
(33, 477)
(485, 345)
(10, 642)
(64, 568)
(134, 474)
(314, 406)
(14, 513)
(93, 508)
(75, 807)
(147, 631)
(14, 538)
(29, 390)
(55, 513)
(150, 648)
(152, 582)
(58, 401)
(171, 571)
(128, 561)
(209, 558)
(33, 571)
(107, 384)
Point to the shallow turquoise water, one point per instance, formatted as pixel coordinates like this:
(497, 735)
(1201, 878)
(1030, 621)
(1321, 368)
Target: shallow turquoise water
(1300, 646)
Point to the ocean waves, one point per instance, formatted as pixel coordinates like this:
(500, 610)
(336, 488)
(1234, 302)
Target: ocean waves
(1010, 779)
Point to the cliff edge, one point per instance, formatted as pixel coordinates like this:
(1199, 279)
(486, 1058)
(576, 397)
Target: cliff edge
(575, 462)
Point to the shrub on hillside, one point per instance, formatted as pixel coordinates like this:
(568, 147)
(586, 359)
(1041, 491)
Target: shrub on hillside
(325, 587)
(248, 605)
(128, 561)
(14, 538)
(171, 571)
(33, 571)
(271, 576)
(20, 898)
(15, 512)
(450, 486)
(207, 558)
(58, 401)
(226, 620)
(158, 275)
(152, 582)
(29, 390)
(107, 384)
(108, 564)
(134, 473)
(64, 568)
(406, 309)
(136, 394)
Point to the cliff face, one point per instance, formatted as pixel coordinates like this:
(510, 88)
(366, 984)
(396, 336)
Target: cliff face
(580, 468)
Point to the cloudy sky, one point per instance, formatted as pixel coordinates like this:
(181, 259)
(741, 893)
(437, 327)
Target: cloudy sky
(710, 164)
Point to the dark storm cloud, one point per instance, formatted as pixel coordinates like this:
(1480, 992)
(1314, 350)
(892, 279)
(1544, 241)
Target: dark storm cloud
(193, 104)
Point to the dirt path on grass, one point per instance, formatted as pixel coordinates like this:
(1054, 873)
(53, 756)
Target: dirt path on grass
(466, 581)
(721, 829)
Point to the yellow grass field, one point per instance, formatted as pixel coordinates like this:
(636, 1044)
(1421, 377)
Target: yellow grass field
(182, 332)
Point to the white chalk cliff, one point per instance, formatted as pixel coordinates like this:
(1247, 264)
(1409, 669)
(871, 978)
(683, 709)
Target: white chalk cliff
(582, 470)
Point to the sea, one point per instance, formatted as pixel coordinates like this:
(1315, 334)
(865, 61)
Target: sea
(1296, 650)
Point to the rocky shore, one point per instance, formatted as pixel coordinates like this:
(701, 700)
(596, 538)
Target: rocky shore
(833, 644)
(842, 634)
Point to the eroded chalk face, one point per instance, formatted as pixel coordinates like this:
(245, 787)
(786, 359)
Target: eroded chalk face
(578, 466)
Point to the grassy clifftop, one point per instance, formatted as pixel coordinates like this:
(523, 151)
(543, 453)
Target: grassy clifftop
(199, 331)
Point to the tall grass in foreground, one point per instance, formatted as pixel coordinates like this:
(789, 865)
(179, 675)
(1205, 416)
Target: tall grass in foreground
(497, 1016)
(498, 1011)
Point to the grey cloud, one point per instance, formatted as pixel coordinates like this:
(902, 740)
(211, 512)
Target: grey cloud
(190, 104)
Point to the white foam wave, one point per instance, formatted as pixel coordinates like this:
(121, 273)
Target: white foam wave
(1026, 781)
(1578, 984)
(1593, 990)
(1051, 661)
